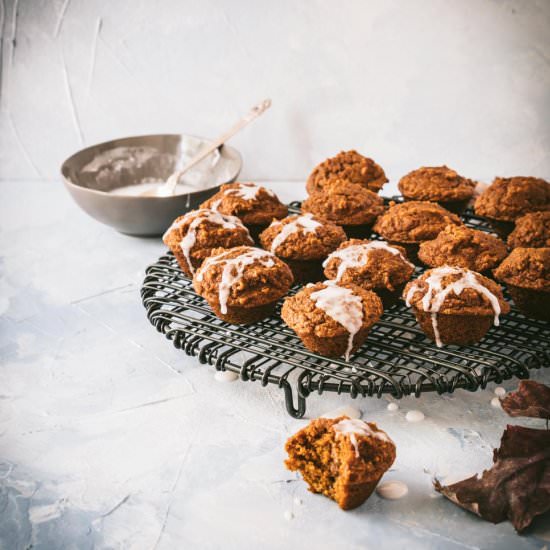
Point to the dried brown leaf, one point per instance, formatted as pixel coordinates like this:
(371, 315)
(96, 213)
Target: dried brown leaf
(516, 487)
(531, 399)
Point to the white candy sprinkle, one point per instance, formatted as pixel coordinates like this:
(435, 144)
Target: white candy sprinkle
(495, 402)
(500, 392)
(288, 515)
(298, 501)
(393, 407)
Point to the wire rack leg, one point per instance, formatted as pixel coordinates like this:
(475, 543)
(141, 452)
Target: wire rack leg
(289, 402)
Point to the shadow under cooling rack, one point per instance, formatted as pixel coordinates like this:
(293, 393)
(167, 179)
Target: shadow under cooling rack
(396, 358)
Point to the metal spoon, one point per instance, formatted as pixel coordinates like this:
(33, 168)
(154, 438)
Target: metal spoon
(169, 187)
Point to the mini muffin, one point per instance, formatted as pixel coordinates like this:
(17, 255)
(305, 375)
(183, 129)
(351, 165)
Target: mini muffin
(255, 206)
(372, 265)
(461, 246)
(341, 458)
(438, 184)
(193, 236)
(531, 231)
(411, 223)
(349, 166)
(526, 272)
(242, 284)
(332, 319)
(349, 205)
(303, 242)
(454, 305)
(510, 198)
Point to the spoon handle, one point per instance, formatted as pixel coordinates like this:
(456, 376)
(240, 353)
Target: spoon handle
(256, 111)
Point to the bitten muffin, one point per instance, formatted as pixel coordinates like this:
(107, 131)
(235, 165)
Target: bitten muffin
(349, 205)
(454, 305)
(526, 272)
(372, 265)
(461, 246)
(412, 222)
(348, 166)
(242, 284)
(341, 458)
(303, 242)
(193, 236)
(506, 199)
(332, 319)
(531, 231)
(438, 184)
(254, 205)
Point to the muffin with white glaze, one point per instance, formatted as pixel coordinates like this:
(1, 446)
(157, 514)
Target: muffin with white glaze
(254, 205)
(454, 305)
(372, 265)
(192, 237)
(242, 284)
(332, 319)
(303, 242)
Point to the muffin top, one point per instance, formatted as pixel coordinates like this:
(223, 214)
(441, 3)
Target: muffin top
(436, 183)
(302, 237)
(526, 268)
(463, 247)
(345, 204)
(414, 221)
(253, 204)
(243, 276)
(369, 264)
(199, 231)
(328, 310)
(456, 291)
(509, 198)
(349, 166)
(531, 231)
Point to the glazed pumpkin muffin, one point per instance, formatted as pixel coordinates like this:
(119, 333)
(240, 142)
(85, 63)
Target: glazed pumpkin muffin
(410, 223)
(438, 184)
(242, 284)
(454, 305)
(341, 458)
(303, 242)
(349, 166)
(531, 231)
(193, 236)
(526, 272)
(461, 246)
(254, 205)
(349, 205)
(372, 265)
(507, 199)
(332, 319)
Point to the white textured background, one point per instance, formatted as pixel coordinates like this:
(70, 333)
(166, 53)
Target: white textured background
(406, 82)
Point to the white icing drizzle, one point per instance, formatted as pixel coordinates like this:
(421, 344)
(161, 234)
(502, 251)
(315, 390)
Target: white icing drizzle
(392, 490)
(357, 255)
(354, 426)
(304, 224)
(343, 306)
(435, 296)
(234, 269)
(198, 217)
(414, 416)
(246, 191)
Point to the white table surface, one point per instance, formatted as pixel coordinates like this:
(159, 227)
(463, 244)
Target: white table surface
(112, 438)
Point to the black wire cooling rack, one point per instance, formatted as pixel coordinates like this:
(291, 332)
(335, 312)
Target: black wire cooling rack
(396, 359)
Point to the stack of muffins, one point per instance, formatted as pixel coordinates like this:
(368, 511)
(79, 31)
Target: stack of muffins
(455, 302)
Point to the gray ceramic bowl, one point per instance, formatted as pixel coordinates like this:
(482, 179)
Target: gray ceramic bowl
(141, 216)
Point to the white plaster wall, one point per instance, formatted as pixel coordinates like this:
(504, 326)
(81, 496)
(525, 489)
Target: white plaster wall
(406, 82)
